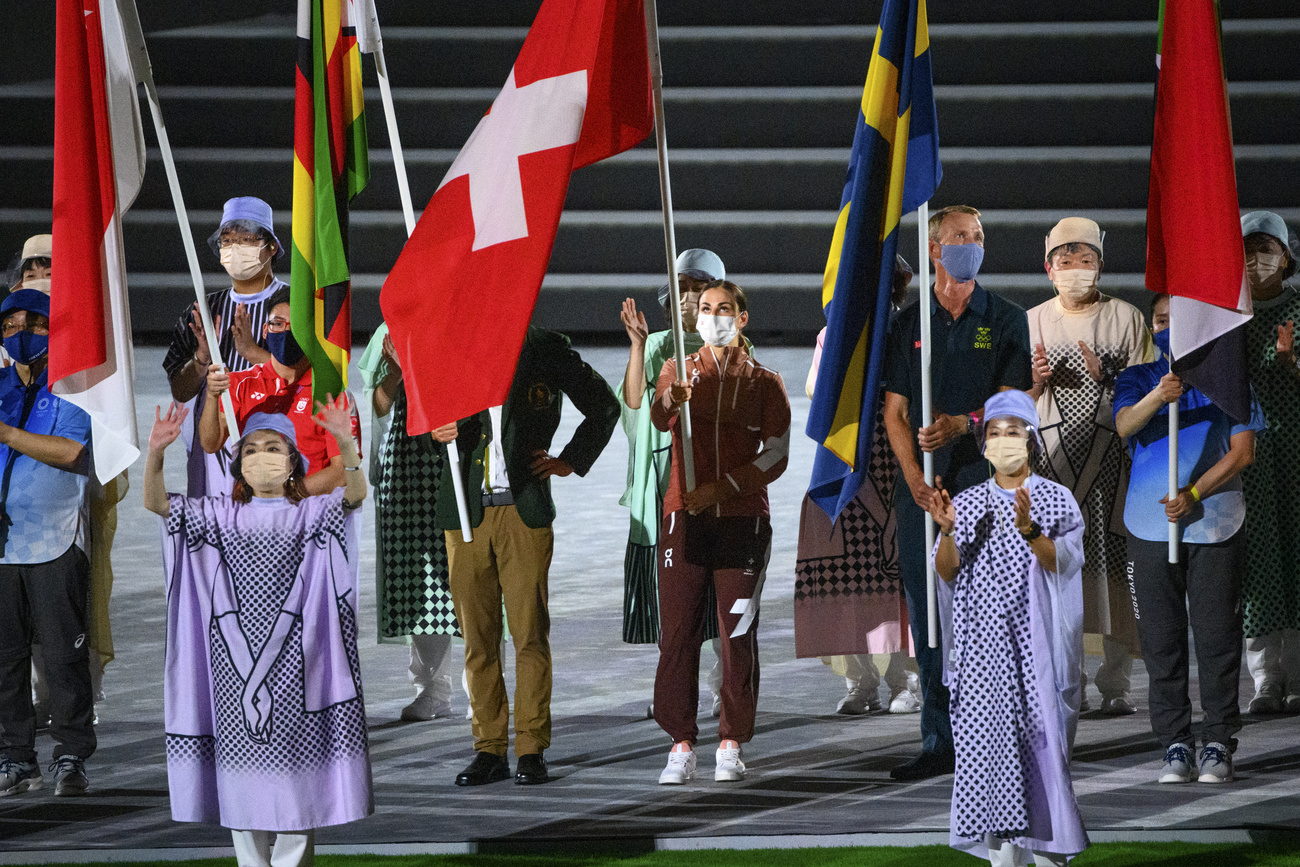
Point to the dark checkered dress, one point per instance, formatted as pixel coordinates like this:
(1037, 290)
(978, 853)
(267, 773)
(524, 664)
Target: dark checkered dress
(414, 597)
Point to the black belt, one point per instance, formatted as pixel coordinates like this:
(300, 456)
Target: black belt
(498, 498)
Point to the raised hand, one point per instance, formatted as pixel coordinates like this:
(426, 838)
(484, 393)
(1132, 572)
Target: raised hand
(1023, 521)
(390, 354)
(1286, 343)
(335, 416)
(204, 352)
(1091, 361)
(166, 428)
(634, 322)
(1042, 367)
(940, 506)
(241, 331)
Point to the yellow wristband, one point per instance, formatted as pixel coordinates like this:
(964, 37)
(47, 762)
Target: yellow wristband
(1196, 495)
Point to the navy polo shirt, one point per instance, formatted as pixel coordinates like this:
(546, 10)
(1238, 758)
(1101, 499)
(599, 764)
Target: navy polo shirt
(45, 504)
(972, 358)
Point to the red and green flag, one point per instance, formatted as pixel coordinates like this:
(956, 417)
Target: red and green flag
(331, 165)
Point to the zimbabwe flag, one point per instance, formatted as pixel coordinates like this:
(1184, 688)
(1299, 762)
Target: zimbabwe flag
(331, 165)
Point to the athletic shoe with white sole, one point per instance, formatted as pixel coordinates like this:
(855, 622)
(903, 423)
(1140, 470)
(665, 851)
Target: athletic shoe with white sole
(69, 776)
(1267, 701)
(730, 768)
(858, 701)
(715, 709)
(16, 777)
(1117, 705)
(1178, 765)
(907, 700)
(680, 768)
(426, 707)
(1215, 762)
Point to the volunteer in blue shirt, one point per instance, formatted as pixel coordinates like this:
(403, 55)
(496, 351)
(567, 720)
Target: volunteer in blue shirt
(44, 573)
(1205, 586)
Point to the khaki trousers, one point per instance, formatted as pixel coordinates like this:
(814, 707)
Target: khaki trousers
(507, 561)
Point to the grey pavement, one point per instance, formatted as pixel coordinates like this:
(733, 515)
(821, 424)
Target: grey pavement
(811, 772)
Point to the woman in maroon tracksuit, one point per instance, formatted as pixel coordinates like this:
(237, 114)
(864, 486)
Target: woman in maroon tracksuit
(719, 532)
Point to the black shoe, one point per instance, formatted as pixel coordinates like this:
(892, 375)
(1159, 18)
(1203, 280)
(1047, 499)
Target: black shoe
(924, 766)
(486, 768)
(530, 770)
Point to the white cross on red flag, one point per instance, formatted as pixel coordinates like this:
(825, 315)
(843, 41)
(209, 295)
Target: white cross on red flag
(461, 294)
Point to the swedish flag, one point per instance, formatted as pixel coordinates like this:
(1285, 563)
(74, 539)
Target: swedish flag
(893, 169)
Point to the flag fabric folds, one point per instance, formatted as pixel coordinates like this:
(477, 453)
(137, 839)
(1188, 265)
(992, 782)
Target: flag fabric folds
(893, 169)
(460, 296)
(1194, 243)
(99, 160)
(331, 165)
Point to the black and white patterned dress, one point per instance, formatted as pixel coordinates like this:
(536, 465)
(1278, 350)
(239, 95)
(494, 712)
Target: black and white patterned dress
(1014, 633)
(413, 595)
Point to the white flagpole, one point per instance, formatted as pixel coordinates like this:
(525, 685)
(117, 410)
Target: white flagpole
(408, 213)
(1173, 449)
(927, 413)
(670, 236)
(144, 73)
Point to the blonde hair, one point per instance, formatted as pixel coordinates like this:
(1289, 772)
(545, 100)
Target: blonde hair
(937, 218)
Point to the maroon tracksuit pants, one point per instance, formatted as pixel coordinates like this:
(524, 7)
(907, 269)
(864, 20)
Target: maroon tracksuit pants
(731, 554)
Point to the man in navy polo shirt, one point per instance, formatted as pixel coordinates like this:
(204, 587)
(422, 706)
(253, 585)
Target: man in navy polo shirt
(44, 573)
(980, 347)
(1205, 586)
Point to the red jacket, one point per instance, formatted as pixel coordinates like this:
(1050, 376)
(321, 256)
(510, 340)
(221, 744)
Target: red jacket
(740, 427)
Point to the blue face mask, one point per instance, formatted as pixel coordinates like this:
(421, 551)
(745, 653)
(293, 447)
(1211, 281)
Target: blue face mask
(284, 348)
(962, 261)
(26, 347)
(1161, 339)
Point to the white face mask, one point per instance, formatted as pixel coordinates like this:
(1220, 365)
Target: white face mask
(1007, 454)
(1260, 267)
(40, 285)
(1077, 284)
(716, 330)
(242, 261)
(265, 471)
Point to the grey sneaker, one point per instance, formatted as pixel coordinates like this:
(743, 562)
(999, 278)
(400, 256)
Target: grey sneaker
(18, 777)
(1215, 761)
(1178, 765)
(1267, 700)
(69, 776)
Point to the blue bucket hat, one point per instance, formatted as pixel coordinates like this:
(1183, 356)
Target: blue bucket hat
(1016, 404)
(31, 300)
(699, 264)
(277, 422)
(1266, 222)
(253, 210)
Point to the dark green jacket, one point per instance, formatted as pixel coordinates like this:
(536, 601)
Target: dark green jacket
(548, 368)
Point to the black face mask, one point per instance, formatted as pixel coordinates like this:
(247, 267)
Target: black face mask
(284, 348)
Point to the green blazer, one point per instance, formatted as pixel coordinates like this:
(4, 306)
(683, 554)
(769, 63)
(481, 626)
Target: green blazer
(548, 369)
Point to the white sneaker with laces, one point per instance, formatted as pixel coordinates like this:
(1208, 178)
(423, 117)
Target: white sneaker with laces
(730, 768)
(680, 768)
(907, 700)
(858, 701)
(426, 707)
(1178, 765)
(1215, 764)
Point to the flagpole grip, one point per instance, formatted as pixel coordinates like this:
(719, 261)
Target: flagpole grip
(145, 72)
(670, 235)
(458, 486)
(927, 415)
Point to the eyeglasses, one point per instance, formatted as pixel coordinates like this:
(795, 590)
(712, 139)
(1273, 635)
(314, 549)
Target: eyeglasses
(12, 327)
(277, 325)
(239, 241)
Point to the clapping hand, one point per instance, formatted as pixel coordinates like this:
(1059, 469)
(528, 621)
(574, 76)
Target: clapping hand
(941, 507)
(1042, 367)
(1286, 343)
(1091, 361)
(1023, 522)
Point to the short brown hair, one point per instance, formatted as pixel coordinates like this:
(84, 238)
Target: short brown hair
(737, 294)
(936, 219)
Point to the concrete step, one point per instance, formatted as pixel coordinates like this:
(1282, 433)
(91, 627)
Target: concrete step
(1081, 178)
(631, 242)
(262, 53)
(783, 307)
(1031, 115)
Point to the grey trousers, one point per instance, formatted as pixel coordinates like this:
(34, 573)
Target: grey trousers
(46, 603)
(1204, 587)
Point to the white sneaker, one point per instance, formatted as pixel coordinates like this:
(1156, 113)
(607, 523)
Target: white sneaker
(426, 707)
(730, 768)
(680, 768)
(858, 701)
(907, 700)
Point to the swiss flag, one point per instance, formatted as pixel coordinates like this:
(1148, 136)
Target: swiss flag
(459, 299)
